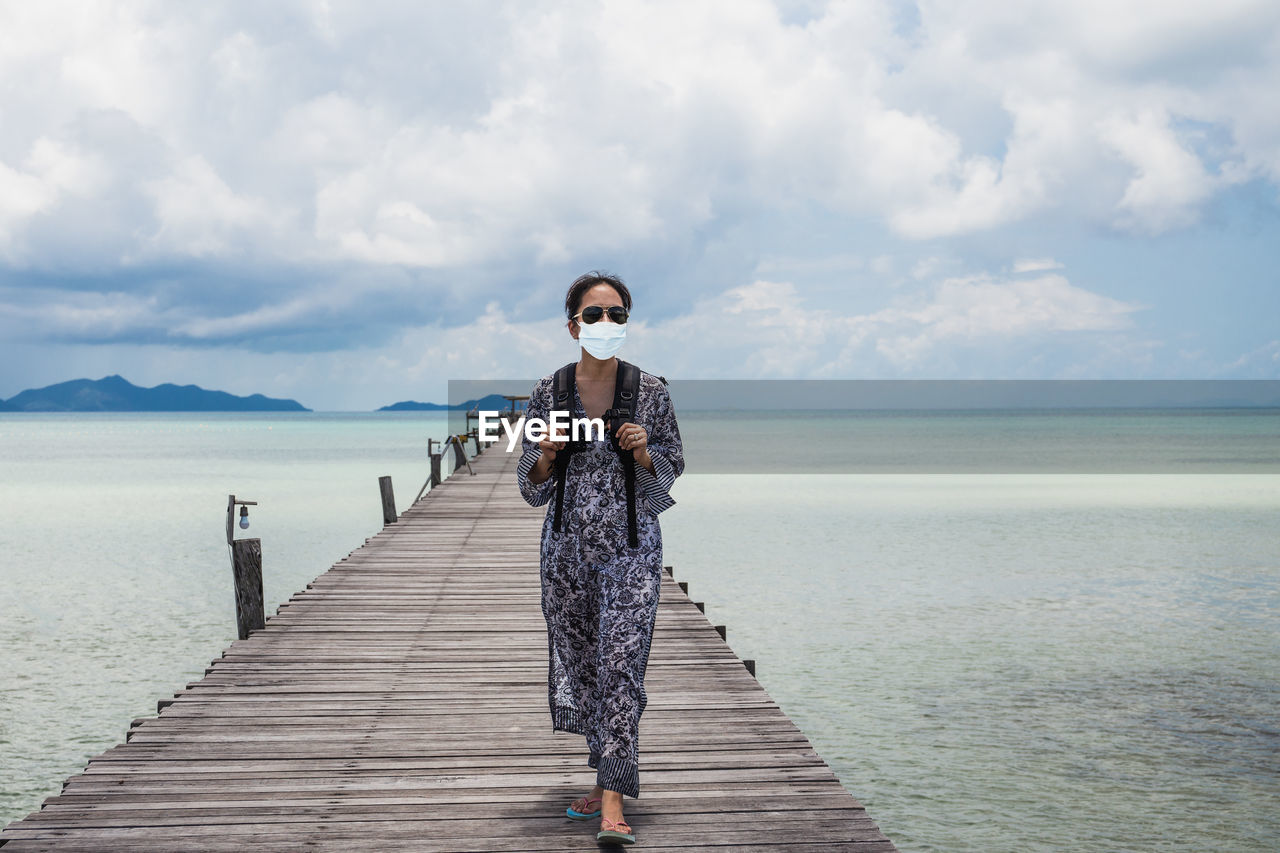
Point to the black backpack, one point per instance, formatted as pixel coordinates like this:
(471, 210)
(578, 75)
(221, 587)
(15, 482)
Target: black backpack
(625, 393)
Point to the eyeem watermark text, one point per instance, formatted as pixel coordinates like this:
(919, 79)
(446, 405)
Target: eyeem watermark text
(536, 429)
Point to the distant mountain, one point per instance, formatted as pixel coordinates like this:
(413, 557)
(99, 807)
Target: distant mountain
(494, 402)
(116, 394)
(414, 406)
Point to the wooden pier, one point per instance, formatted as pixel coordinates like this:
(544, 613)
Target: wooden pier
(400, 703)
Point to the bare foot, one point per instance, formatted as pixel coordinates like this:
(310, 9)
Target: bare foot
(611, 808)
(581, 806)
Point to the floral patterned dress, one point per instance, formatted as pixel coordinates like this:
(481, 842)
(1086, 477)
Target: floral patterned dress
(600, 596)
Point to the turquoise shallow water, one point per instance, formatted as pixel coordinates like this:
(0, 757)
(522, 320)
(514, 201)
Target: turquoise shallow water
(1018, 662)
(1022, 662)
(116, 568)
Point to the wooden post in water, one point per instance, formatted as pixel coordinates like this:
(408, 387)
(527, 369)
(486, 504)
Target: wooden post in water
(388, 501)
(246, 572)
(433, 479)
(246, 565)
(436, 455)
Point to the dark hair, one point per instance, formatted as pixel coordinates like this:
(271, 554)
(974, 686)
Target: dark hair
(586, 281)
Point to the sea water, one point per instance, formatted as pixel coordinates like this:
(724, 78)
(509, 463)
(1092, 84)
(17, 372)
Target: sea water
(1030, 659)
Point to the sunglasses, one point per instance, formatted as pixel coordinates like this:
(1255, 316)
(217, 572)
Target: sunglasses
(595, 313)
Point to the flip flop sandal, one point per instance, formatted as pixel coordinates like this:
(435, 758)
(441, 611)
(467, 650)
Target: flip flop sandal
(585, 802)
(616, 833)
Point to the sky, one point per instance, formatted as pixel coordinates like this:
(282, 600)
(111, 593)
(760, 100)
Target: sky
(350, 203)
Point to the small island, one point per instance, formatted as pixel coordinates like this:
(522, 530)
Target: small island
(492, 402)
(116, 394)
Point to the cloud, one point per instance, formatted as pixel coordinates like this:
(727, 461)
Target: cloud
(21, 195)
(1035, 265)
(82, 316)
(973, 310)
(1259, 363)
(767, 329)
(1170, 182)
(309, 177)
(200, 215)
(604, 126)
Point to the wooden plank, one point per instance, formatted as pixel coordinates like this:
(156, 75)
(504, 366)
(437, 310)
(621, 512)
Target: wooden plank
(399, 703)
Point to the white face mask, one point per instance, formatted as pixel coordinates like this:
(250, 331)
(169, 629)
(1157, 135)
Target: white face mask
(602, 339)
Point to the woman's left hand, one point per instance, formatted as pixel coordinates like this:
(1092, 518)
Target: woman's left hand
(633, 437)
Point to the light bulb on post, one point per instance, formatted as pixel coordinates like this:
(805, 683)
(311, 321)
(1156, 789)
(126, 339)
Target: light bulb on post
(244, 518)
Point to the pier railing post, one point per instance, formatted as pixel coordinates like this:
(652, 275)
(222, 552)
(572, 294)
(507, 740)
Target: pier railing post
(434, 478)
(246, 571)
(460, 454)
(246, 566)
(388, 501)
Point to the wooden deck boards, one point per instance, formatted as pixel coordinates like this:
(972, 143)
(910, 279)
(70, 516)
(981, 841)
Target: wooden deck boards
(399, 703)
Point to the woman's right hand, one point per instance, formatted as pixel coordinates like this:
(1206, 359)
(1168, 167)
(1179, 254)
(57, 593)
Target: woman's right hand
(549, 448)
(541, 470)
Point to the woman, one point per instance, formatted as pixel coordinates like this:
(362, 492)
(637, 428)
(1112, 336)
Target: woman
(600, 594)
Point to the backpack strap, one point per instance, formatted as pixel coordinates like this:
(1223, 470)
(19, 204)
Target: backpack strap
(626, 392)
(562, 399)
(562, 386)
